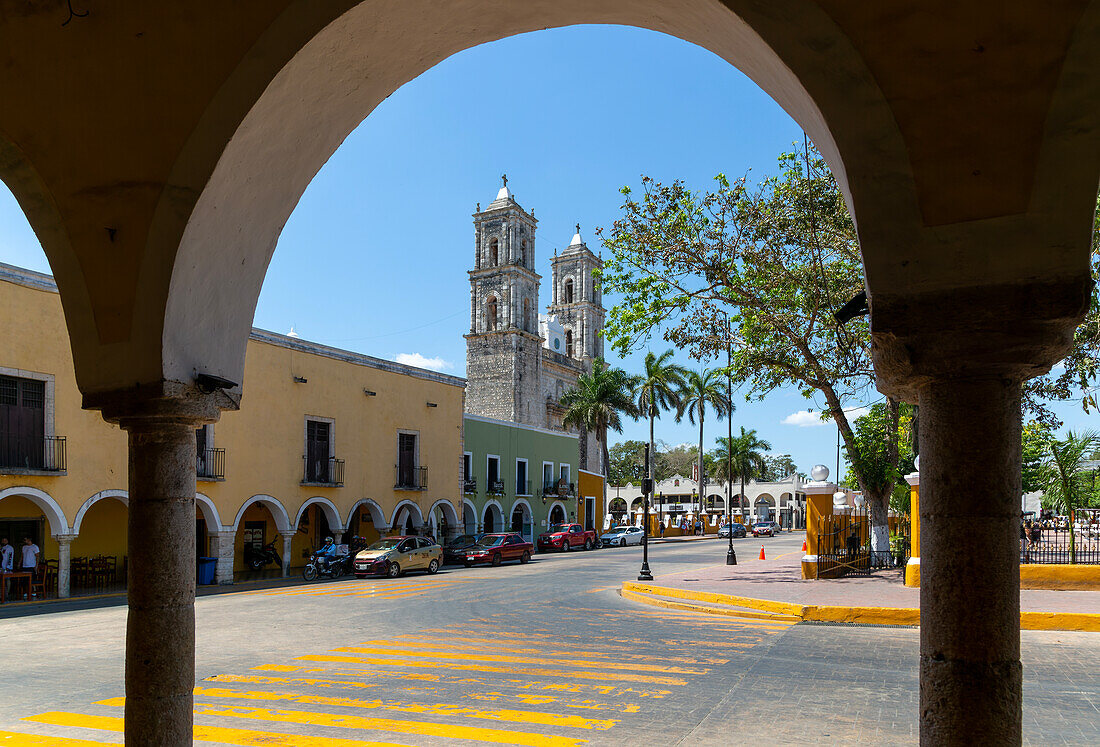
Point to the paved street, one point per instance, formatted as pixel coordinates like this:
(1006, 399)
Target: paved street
(543, 654)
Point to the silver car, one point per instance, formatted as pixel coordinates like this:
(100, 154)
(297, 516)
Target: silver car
(622, 536)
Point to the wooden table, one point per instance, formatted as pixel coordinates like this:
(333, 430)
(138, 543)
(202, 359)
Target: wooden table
(15, 576)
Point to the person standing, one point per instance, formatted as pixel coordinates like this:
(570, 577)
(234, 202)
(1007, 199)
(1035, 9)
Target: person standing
(30, 557)
(7, 556)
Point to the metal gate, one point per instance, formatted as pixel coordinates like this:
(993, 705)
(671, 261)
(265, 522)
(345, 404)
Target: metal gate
(844, 545)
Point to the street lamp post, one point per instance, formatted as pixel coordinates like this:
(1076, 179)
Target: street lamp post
(647, 492)
(731, 554)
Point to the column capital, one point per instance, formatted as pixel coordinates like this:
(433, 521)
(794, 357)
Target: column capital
(1012, 332)
(166, 403)
(64, 539)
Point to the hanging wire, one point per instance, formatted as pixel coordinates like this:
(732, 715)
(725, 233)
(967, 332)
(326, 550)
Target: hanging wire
(73, 14)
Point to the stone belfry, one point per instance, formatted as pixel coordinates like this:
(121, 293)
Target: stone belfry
(577, 301)
(503, 363)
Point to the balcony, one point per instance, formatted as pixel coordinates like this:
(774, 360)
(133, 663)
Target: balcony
(469, 485)
(210, 465)
(567, 491)
(21, 455)
(496, 487)
(408, 477)
(323, 472)
(559, 489)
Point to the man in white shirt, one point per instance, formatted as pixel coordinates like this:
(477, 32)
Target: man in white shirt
(7, 555)
(30, 554)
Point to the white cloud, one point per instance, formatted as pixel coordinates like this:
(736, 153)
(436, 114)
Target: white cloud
(804, 419)
(418, 360)
(853, 413)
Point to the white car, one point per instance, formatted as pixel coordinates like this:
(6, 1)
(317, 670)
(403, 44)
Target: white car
(622, 536)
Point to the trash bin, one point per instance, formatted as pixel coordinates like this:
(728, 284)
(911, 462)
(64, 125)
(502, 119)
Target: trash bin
(207, 566)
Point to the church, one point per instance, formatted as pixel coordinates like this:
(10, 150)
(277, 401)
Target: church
(519, 362)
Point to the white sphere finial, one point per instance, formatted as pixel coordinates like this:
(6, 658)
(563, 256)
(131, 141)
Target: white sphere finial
(840, 498)
(916, 463)
(819, 473)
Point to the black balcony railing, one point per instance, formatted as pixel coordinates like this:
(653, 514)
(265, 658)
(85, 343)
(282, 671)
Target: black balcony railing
(523, 487)
(324, 471)
(408, 477)
(566, 490)
(210, 464)
(496, 487)
(550, 488)
(469, 485)
(20, 452)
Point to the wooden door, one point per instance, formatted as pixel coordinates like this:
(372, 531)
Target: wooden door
(22, 422)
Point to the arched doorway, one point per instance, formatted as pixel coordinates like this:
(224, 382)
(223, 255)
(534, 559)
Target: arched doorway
(367, 521)
(469, 518)
(521, 520)
(557, 514)
(764, 507)
(98, 554)
(491, 520)
(260, 548)
(618, 509)
(30, 512)
(407, 519)
(444, 521)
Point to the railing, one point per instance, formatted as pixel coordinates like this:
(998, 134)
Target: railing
(496, 487)
(550, 488)
(1053, 546)
(469, 485)
(408, 477)
(324, 471)
(523, 487)
(210, 464)
(20, 452)
(567, 491)
(843, 547)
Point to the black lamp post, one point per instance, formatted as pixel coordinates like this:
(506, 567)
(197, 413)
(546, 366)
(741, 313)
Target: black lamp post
(731, 554)
(647, 493)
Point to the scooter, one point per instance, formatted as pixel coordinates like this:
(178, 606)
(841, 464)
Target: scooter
(257, 559)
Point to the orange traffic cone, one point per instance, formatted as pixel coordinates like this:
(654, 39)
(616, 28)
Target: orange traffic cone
(762, 552)
(803, 545)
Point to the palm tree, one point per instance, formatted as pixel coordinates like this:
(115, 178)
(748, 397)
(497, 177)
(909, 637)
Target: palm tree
(702, 389)
(658, 389)
(1065, 473)
(597, 403)
(747, 456)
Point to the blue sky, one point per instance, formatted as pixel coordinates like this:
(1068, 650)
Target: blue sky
(374, 258)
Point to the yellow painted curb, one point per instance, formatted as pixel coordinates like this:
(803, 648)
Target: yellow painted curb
(669, 604)
(646, 593)
(1060, 577)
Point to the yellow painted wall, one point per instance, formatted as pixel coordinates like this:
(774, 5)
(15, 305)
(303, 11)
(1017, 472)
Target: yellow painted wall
(591, 486)
(264, 441)
(16, 507)
(102, 531)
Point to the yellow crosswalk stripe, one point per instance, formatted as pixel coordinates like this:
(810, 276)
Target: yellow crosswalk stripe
(220, 734)
(579, 674)
(629, 667)
(20, 739)
(586, 639)
(435, 709)
(433, 644)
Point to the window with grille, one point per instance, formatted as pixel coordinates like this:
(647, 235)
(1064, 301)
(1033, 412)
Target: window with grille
(22, 422)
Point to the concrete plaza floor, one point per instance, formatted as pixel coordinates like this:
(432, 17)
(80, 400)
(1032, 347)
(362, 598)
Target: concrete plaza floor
(542, 654)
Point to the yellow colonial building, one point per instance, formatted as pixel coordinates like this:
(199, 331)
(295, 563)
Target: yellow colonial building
(326, 441)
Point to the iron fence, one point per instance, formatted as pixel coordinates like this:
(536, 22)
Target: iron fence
(210, 464)
(322, 471)
(408, 477)
(844, 545)
(21, 452)
(1054, 546)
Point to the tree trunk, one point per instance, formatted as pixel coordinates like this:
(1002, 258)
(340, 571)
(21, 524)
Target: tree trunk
(583, 443)
(701, 478)
(606, 454)
(880, 526)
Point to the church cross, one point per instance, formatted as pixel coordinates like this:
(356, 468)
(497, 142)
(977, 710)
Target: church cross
(504, 178)
(578, 228)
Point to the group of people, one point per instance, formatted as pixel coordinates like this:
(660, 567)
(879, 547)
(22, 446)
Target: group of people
(1031, 533)
(28, 560)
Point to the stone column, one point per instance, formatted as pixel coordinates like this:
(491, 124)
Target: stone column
(224, 547)
(287, 539)
(64, 542)
(160, 626)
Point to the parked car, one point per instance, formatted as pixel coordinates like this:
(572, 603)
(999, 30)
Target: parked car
(455, 550)
(765, 529)
(622, 536)
(494, 549)
(565, 537)
(738, 530)
(394, 556)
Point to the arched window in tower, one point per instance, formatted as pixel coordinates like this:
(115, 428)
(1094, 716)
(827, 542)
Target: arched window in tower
(494, 253)
(527, 315)
(523, 253)
(569, 290)
(491, 314)
(569, 342)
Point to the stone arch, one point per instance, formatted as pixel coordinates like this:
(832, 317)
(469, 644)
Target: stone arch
(469, 517)
(638, 503)
(332, 514)
(527, 513)
(450, 516)
(278, 512)
(494, 252)
(527, 315)
(569, 342)
(716, 502)
(50, 508)
(119, 495)
(557, 514)
(567, 291)
(405, 512)
(491, 319)
(764, 506)
(495, 513)
(209, 512)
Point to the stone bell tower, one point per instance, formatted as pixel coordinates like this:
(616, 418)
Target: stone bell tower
(577, 300)
(503, 363)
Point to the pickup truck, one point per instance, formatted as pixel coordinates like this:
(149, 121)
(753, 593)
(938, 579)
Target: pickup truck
(566, 537)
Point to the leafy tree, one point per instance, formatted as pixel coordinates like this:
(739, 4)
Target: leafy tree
(657, 389)
(597, 404)
(884, 448)
(1037, 436)
(1067, 479)
(702, 388)
(778, 467)
(778, 259)
(624, 458)
(746, 452)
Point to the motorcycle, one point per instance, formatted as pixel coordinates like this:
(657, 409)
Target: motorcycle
(338, 566)
(257, 559)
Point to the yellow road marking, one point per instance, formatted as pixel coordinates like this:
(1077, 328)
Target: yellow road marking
(422, 728)
(37, 740)
(437, 709)
(433, 643)
(256, 679)
(521, 660)
(396, 662)
(223, 735)
(639, 642)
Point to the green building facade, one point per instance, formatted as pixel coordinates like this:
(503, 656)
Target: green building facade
(517, 477)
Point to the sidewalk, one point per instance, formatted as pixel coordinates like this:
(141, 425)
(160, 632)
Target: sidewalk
(776, 586)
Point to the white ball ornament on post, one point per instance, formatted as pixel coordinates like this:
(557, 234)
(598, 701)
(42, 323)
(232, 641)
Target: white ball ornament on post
(840, 499)
(916, 463)
(820, 473)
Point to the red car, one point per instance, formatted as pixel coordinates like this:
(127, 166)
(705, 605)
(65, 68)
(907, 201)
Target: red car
(496, 548)
(565, 537)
